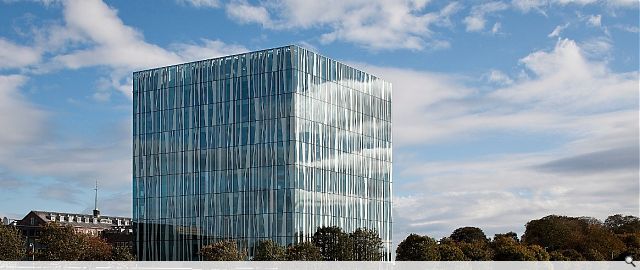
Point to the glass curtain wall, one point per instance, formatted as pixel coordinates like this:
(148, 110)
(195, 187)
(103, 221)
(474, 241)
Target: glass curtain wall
(263, 145)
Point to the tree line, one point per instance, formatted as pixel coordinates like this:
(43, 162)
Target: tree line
(327, 244)
(556, 238)
(59, 243)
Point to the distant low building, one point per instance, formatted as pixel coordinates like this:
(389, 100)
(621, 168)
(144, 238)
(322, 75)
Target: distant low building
(83, 223)
(33, 222)
(118, 231)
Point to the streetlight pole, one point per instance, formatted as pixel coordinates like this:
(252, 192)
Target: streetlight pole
(33, 251)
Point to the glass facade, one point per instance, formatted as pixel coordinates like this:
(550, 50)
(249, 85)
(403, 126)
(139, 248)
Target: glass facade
(263, 145)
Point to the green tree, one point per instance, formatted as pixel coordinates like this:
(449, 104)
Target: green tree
(633, 252)
(268, 250)
(60, 243)
(334, 244)
(572, 255)
(539, 253)
(222, 251)
(555, 232)
(450, 252)
(305, 251)
(557, 256)
(620, 224)
(122, 254)
(593, 255)
(468, 235)
(476, 251)
(511, 235)
(12, 245)
(417, 248)
(630, 240)
(587, 236)
(507, 249)
(94, 248)
(367, 245)
(600, 244)
(632, 245)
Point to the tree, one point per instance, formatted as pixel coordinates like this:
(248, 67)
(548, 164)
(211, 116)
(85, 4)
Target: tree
(571, 255)
(12, 245)
(619, 224)
(600, 244)
(222, 251)
(122, 254)
(557, 256)
(94, 248)
(59, 243)
(633, 252)
(417, 248)
(305, 251)
(476, 251)
(367, 245)
(334, 244)
(593, 255)
(507, 249)
(630, 240)
(468, 235)
(511, 235)
(555, 232)
(539, 253)
(268, 250)
(450, 252)
(632, 245)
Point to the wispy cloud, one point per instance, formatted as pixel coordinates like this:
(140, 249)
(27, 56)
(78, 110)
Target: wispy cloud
(14, 56)
(591, 110)
(542, 5)
(33, 144)
(558, 30)
(92, 35)
(372, 24)
(477, 17)
(200, 3)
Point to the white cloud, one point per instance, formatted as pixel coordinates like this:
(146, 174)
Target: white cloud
(200, 3)
(247, 13)
(113, 43)
(595, 20)
(21, 120)
(107, 41)
(496, 28)
(590, 110)
(599, 47)
(15, 56)
(558, 30)
(91, 35)
(474, 23)
(206, 50)
(372, 24)
(29, 147)
(498, 77)
(477, 17)
(628, 28)
(528, 5)
(540, 5)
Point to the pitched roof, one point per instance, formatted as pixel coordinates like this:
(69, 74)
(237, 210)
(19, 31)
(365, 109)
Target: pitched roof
(81, 220)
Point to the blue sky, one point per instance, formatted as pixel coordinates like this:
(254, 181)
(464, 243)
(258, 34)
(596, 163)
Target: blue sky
(504, 111)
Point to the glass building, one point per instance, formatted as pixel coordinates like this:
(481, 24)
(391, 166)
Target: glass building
(262, 145)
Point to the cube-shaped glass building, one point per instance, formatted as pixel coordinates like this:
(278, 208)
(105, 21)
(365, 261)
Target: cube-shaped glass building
(269, 144)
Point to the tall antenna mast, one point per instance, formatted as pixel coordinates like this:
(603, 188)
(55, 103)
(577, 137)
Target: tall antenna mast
(96, 212)
(95, 205)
